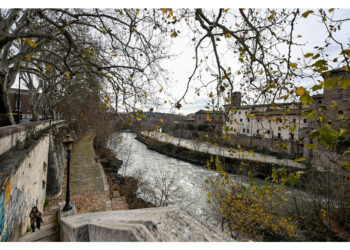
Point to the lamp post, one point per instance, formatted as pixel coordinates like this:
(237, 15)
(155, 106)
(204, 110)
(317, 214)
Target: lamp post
(68, 145)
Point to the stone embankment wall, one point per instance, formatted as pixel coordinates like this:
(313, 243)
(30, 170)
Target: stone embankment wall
(31, 165)
(267, 145)
(239, 166)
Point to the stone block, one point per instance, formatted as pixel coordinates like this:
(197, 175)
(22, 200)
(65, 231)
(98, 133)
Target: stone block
(70, 212)
(139, 225)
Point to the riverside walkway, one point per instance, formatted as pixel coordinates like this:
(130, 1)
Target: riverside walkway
(89, 186)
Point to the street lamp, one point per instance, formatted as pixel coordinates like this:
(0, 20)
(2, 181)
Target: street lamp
(68, 145)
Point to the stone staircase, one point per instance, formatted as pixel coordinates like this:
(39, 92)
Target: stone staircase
(49, 230)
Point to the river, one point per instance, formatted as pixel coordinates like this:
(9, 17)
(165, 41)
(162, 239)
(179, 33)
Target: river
(185, 181)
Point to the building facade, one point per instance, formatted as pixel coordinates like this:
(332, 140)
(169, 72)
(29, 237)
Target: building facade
(211, 121)
(268, 126)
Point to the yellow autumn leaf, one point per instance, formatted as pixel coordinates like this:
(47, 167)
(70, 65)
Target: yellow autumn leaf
(300, 91)
(208, 118)
(28, 57)
(293, 65)
(47, 67)
(66, 74)
(311, 146)
(306, 13)
(300, 159)
(161, 120)
(31, 43)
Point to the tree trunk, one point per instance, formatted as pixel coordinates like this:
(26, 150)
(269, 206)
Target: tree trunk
(35, 112)
(6, 117)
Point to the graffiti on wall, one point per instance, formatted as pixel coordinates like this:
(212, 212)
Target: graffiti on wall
(7, 192)
(4, 201)
(11, 210)
(2, 212)
(11, 214)
(15, 211)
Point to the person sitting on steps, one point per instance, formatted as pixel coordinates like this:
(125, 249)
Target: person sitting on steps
(35, 218)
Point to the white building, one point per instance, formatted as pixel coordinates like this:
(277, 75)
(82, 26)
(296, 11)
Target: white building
(278, 121)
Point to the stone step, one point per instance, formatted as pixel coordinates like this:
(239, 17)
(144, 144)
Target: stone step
(49, 219)
(46, 233)
(52, 238)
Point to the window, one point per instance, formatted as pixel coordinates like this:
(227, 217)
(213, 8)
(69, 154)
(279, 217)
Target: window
(292, 136)
(279, 128)
(240, 120)
(294, 120)
(239, 112)
(304, 120)
(279, 135)
(257, 131)
(243, 130)
(258, 120)
(340, 96)
(248, 119)
(340, 112)
(248, 130)
(246, 112)
(199, 117)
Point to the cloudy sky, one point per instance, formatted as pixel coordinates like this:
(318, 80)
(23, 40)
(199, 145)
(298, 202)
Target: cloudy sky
(312, 34)
(181, 66)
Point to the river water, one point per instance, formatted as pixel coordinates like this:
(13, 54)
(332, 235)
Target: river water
(185, 181)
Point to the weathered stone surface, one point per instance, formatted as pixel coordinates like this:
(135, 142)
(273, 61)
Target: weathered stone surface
(55, 166)
(151, 224)
(23, 175)
(70, 212)
(22, 185)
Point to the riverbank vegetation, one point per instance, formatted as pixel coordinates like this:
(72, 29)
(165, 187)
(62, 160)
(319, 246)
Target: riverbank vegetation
(127, 186)
(278, 210)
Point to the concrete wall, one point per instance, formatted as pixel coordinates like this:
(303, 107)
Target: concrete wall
(264, 144)
(24, 188)
(11, 136)
(24, 173)
(56, 164)
(163, 224)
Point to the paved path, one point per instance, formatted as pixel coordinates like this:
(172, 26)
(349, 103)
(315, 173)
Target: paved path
(89, 187)
(223, 151)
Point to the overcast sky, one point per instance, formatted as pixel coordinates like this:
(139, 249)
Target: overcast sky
(181, 66)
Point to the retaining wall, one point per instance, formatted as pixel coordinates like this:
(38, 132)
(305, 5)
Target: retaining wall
(24, 167)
